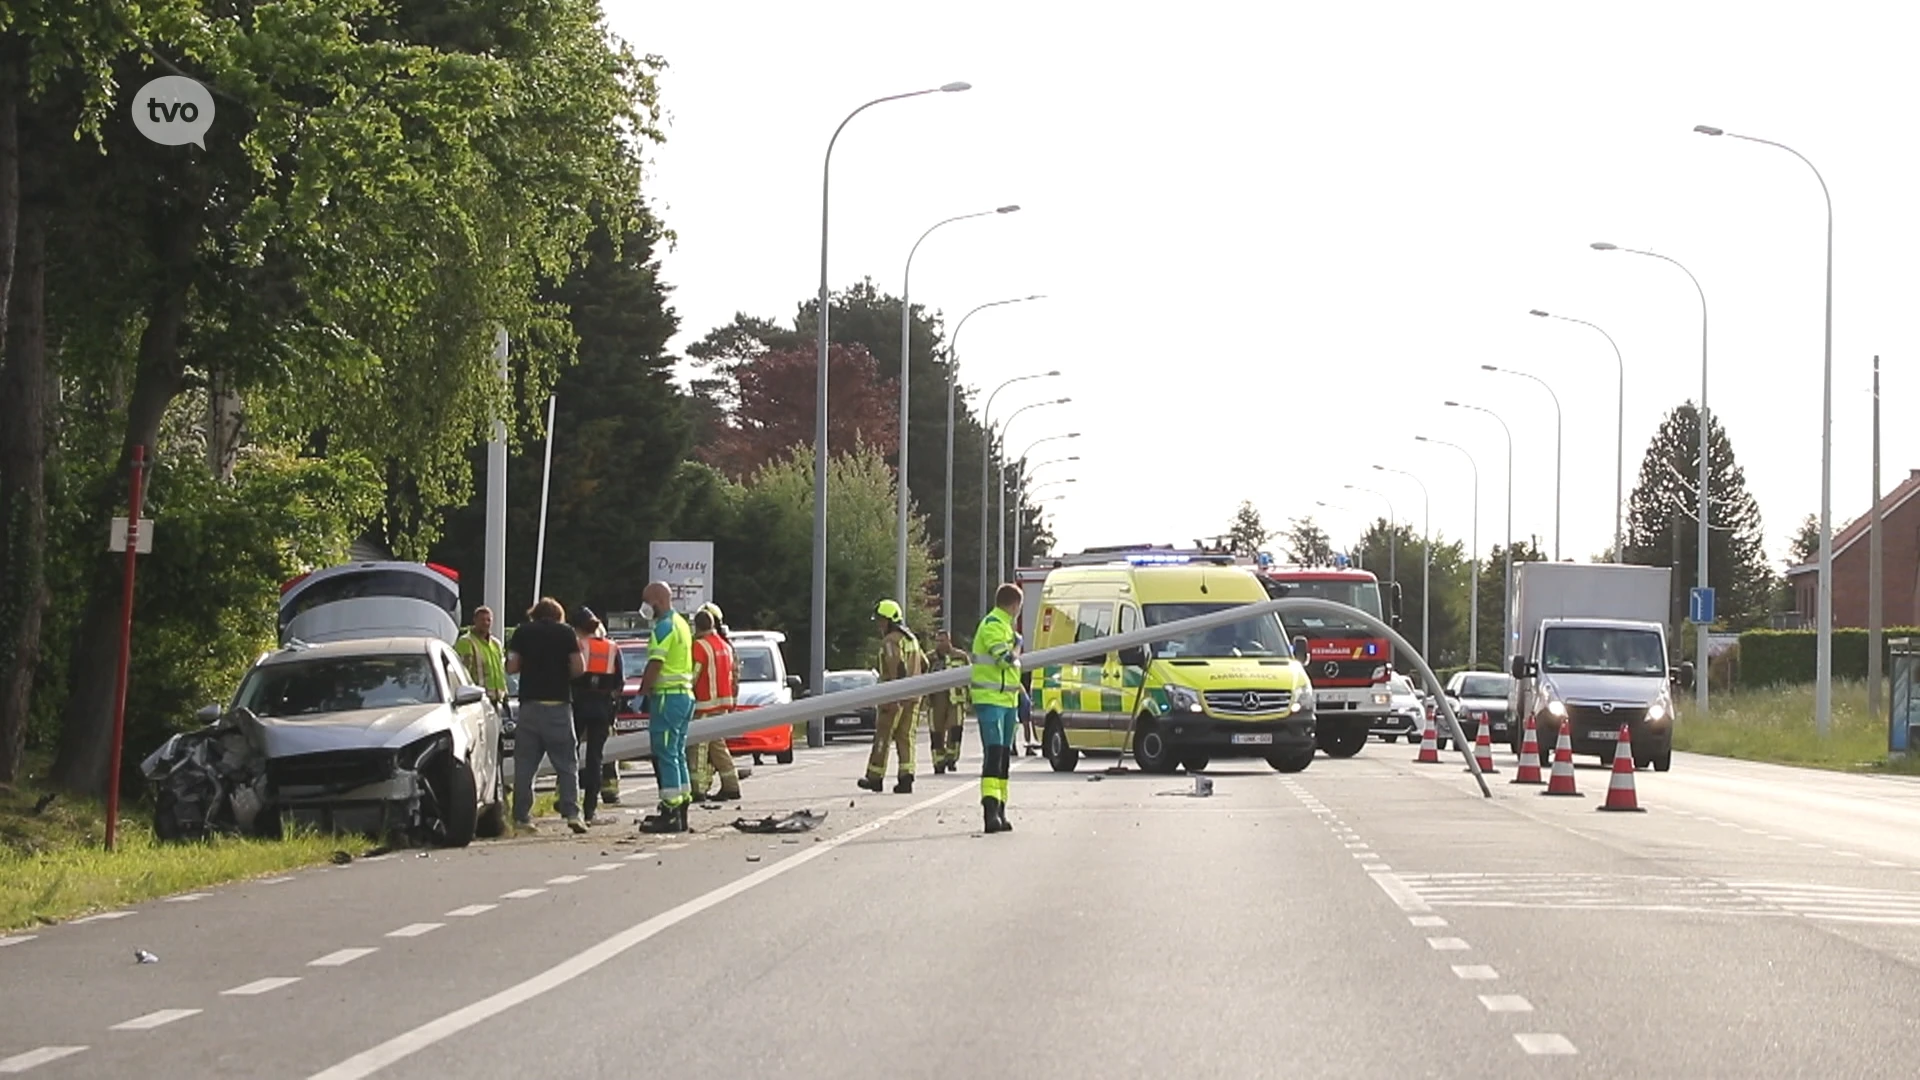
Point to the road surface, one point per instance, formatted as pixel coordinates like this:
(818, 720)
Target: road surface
(1365, 918)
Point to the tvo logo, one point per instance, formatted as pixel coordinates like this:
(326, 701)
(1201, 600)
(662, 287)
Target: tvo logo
(174, 110)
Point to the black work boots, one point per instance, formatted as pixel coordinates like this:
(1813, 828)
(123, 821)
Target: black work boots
(872, 783)
(668, 819)
(903, 785)
(994, 812)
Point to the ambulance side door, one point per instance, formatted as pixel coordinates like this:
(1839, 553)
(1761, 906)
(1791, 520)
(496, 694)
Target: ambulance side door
(1100, 676)
(1133, 678)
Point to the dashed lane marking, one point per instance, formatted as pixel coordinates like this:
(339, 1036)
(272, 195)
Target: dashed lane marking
(15, 939)
(1426, 920)
(1475, 971)
(1545, 1044)
(103, 917)
(1376, 868)
(341, 957)
(154, 1019)
(521, 894)
(20, 1063)
(603, 867)
(566, 879)
(278, 880)
(1883, 862)
(187, 898)
(470, 910)
(260, 986)
(1447, 944)
(415, 929)
(1506, 1003)
(1402, 894)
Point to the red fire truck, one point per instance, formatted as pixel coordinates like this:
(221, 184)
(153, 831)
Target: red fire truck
(1348, 663)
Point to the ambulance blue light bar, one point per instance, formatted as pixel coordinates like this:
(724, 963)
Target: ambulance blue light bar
(1159, 560)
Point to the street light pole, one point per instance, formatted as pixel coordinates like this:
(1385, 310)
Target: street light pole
(1473, 599)
(1619, 432)
(1823, 644)
(1393, 531)
(1024, 492)
(1506, 622)
(953, 379)
(817, 662)
(1026, 472)
(1426, 552)
(1000, 545)
(1559, 443)
(986, 477)
(1706, 418)
(906, 338)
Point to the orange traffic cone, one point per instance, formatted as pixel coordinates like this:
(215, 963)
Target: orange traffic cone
(1620, 793)
(1530, 756)
(1429, 746)
(1561, 782)
(1483, 748)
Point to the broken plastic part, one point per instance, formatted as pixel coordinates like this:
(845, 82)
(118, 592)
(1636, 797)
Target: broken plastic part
(797, 821)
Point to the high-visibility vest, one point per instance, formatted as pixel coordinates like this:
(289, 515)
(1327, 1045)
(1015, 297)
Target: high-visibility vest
(672, 645)
(600, 656)
(996, 672)
(713, 686)
(903, 659)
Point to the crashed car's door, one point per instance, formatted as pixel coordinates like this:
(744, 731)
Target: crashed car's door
(479, 727)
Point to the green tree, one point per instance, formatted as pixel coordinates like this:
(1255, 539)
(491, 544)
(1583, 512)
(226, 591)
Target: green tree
(1450, 577)
(1805, 547)
(1494, 649)
(1307, 543)
(1247, 535)
(1662, 519)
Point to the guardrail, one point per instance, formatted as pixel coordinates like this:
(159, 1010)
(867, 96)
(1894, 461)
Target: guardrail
(638, 745)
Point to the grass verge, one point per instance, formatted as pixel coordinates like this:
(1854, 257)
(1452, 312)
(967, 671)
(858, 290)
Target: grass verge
(52, 865)
(1776, 725)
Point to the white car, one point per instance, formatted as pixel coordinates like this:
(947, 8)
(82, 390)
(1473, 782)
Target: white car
(1406, 712)
(381, 735)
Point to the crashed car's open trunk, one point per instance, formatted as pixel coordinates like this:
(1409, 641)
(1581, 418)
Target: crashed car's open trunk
(363, 791)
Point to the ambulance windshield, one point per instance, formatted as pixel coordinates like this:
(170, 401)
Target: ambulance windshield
(1258, 636)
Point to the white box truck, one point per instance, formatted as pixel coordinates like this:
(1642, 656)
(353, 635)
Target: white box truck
(1590, 654)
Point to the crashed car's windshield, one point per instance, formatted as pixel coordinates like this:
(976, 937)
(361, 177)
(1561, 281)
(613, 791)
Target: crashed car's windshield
(338, 684)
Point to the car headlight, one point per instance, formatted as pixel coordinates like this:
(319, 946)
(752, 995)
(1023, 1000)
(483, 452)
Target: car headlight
(422, 751)
(1303, 699)
(1182, 698)
(1657, 712)
(1557, 710)
(1383, 699)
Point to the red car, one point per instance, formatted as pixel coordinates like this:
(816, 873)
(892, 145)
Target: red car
(763, 681)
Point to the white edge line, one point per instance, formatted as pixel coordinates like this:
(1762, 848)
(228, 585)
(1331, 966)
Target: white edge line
(401, 1046)
(20, 1063)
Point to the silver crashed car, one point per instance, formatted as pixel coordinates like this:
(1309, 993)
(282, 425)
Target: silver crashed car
(385, 736)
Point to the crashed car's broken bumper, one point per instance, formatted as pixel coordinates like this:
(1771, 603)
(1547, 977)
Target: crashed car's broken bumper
(346, 791)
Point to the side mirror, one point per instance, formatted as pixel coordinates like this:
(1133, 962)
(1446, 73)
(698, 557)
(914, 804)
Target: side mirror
(1300, 650)
(208, 714)
(1521, 668)
(1687, 673)
(794, 684)
(469, 695)
(1136, 656)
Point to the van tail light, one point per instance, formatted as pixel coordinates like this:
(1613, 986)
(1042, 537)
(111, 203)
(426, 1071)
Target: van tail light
(447, 572)
(292, 581)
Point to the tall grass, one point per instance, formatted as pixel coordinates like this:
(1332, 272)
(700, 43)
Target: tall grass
(1776, 724)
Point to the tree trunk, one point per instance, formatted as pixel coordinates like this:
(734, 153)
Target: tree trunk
(24, 407)
(9, 187)
(86, 729)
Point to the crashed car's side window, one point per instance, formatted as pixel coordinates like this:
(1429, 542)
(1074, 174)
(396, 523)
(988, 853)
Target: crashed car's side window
(339, 684)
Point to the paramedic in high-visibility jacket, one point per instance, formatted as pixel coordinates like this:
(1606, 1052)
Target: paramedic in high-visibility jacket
(995, 688)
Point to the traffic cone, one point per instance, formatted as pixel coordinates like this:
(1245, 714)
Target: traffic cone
(1530, 756)
(1620, 793)
(1561, 782)
(1429, 746)
(1483, 748)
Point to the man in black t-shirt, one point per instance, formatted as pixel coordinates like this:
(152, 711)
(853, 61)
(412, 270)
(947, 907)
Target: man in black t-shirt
(545, 653)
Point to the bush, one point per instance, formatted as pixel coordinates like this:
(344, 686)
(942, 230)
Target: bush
(1776, 657)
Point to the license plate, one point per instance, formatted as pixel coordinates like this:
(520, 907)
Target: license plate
(624, 727)
(1604, 735)
(846, 721)
(1252, 740)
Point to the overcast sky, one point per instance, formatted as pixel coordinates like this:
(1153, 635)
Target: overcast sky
(1275, 237)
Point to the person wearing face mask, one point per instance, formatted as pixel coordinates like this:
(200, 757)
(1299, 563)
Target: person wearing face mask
(996, 701)
(667, 684)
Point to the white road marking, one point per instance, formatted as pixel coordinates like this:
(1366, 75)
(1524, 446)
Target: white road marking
(470, 910)
(1475, 971)
(1883, 862)
(187, 898)
(416, 929)
(1365, 855)
(20, 1063)
(1426, 920)
(1376, 868)
(1447, 944)
(638, 855)
(277, 880)
(15, 939)
(259, 986)
(603, 867)
(1545, 1044)
(406, 1044)
(154, 1019)
(670, 847)
(103, 917)
(1401, 893)
(1506, 1003)
(343, 956)
(521, 894)
(566, 879)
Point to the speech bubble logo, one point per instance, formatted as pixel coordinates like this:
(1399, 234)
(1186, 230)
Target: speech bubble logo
(173, 110)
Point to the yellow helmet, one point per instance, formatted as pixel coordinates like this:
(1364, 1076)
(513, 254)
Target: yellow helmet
(889, 611)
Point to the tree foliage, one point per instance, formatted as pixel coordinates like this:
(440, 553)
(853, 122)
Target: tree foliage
(1247, 535)
(775, 396)
(1494, 649)
(1307, 543)
(1662, 520)
(1805, 547)
(1450, 576)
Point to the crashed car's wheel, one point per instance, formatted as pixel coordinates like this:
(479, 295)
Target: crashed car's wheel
(459, 805)
(492, 822)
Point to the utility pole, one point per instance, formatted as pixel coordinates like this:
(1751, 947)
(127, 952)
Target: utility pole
(1874, 628)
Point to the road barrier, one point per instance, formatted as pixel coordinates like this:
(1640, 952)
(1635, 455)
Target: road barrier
(637, 745)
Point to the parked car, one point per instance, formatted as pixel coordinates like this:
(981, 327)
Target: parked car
(631, 716)
(384, 736)
(1480, 697)
(371, 600)
(763, 681)
(852, 721)
(1407, 712)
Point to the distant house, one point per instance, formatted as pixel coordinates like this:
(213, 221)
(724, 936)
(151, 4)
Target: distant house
(1899, 566)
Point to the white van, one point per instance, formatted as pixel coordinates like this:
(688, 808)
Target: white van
(371, 600)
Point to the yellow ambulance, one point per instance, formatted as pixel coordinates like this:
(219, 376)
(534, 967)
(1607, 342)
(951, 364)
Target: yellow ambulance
(1231, 692)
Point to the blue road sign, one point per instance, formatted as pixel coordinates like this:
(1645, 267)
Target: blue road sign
(1700, 606)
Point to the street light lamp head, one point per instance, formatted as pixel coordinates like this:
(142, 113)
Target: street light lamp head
(1061, 401)
(1379, 468)
(1007, 209)
(1602, 245)
(1451, 404)
(1705, 130)
(1421, 438)
(1050, 373)
(1073, 435)
(956, 87)
(1488, 367)
(1537, 311)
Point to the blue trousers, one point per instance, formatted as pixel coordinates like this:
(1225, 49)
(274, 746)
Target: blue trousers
(997, 723)
(996, 733)
(667, 719)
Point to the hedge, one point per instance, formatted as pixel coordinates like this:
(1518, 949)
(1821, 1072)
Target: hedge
(1772, 657)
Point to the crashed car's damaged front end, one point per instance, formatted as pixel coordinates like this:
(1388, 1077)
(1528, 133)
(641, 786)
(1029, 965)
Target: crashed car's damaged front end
(373, 790)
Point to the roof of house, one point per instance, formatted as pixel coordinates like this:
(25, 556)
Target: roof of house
(1857, 528)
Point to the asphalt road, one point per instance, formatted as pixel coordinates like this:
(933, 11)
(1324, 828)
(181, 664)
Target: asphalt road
(1365, 918)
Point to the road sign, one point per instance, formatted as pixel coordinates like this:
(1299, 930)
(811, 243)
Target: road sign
(1700, 606)
(117, 540)
(687, 568)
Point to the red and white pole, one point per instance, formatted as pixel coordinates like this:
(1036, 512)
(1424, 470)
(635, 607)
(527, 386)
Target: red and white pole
(126, 642)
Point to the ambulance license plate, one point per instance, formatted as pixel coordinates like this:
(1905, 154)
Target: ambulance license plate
(1252, 740)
